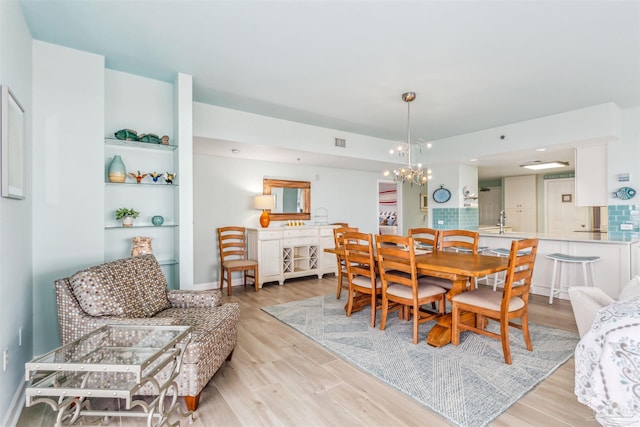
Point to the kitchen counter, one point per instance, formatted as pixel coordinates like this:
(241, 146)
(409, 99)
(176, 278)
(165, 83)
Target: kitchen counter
(619, 257)
(569, 236)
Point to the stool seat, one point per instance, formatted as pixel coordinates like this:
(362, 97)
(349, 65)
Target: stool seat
(570, 259)
(504, 252)
(507, 252)
(467, 250)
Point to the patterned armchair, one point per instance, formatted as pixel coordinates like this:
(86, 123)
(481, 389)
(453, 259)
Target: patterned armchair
(134, 291)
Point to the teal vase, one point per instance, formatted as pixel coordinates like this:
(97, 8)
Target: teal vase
(117, 171)
(157, 220)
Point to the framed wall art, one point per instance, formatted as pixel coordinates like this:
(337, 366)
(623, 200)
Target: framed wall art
(13, 140)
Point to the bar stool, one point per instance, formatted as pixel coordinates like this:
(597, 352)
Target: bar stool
(564, 259)
(503, 252)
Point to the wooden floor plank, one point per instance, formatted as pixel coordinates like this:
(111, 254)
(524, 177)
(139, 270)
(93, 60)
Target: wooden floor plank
(279, 377)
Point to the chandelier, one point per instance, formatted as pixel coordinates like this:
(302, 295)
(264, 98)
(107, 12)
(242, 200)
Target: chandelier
(411, 173)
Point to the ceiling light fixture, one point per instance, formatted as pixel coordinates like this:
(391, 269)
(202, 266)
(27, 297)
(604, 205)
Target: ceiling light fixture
(411, 173)
(538, 165)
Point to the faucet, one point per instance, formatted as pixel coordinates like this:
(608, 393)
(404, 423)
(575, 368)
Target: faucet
(501, 221)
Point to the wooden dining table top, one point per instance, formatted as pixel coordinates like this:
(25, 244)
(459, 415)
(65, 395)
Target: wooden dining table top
(463, 264)
(458, 263)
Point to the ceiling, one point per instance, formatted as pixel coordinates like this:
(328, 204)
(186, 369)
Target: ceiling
(344, 64)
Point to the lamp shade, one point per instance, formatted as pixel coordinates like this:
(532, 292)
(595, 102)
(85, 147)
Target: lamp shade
(265, 201)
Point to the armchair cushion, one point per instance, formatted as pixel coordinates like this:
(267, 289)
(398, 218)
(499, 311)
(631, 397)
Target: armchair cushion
(585, 302)
(631, 289)
(130, 287)
(194, 299)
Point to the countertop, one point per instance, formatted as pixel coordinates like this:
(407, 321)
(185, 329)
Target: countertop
(569, 236)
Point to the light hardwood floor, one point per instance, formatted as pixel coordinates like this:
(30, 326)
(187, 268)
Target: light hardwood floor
(279, 377)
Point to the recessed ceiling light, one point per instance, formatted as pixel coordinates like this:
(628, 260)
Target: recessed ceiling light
(473, 160)
(541, 149)
(538, 165)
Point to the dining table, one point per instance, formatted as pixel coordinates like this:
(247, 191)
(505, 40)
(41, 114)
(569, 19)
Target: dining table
(460, 268)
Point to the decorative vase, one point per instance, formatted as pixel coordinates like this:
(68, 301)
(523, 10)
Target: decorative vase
(117, 171)
(127, 221)
(157, 220)
(141, 246)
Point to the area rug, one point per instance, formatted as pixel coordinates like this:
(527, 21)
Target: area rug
(469, 384)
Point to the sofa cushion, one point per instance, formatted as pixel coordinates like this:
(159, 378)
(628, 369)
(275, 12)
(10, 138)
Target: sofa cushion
(107, 290)
(93, 290)
(214, 328)
(129, 287)
(631, 289)
(151, 285)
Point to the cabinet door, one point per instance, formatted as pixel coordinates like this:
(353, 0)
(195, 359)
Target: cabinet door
(520, 192)
(513, 218)
(270, 264)
(528, 220)
(591, 176)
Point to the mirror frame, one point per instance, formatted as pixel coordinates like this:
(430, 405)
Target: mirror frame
(305, 186)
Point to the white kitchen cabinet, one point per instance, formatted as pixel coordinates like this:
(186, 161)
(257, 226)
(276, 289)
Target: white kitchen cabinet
(520, 203)
(591, 176)
(291, 252)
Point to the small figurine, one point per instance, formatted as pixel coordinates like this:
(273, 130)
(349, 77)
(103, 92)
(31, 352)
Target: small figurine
(138, 177)
(155, 176)
(169, 177)
(165, 140)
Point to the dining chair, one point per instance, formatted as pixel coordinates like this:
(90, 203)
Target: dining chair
(458, 241)
(338, 237)
(425, 238)
(400, 282)
(232, 244)
(361, 271)
(511, 303)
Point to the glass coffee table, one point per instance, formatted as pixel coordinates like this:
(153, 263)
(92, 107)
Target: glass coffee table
(114, 361)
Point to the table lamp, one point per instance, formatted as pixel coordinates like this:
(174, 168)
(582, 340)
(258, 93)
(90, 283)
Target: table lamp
(264, 202)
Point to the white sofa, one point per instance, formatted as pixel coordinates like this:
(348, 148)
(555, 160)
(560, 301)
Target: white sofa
(607, 358)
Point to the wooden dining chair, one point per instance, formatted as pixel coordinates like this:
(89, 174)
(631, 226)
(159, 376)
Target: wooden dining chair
(511, 303)
(338, 237)
(232, 244)
(361, 271)
(454, 240)
(425, 238)
(400, 283)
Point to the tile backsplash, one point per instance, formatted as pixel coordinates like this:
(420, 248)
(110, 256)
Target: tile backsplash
(624, 220)
(455, 218)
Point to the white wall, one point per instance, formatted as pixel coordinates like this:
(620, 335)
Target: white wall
(68, 176)
(223, 195)
(16, 244)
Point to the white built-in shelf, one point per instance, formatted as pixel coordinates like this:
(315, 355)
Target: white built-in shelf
(167, 262)
(146, 184)
(120, 227)
(138, 144)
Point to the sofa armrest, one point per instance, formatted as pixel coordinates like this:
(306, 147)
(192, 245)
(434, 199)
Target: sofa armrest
(209, 298)
(585, 302)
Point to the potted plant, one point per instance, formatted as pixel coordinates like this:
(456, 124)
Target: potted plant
(127, 216)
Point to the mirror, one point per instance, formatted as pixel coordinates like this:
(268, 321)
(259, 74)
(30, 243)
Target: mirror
(293, 198)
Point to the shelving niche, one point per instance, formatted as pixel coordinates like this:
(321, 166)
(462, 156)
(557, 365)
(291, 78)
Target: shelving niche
(149, 198)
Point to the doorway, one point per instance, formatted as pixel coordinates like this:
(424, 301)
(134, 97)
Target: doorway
(388, 208)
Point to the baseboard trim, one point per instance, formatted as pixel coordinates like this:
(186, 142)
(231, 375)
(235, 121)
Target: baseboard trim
(17, 404)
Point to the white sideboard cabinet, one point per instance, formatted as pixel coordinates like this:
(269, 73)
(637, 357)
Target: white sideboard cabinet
(287, 252)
